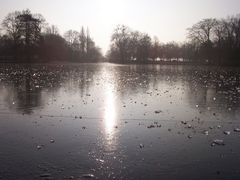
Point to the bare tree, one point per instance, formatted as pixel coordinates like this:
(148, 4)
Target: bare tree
(120, 40)
(130, 45)
(29, 28)
(144, 46)
(133, 45)
(72, 37)
(202, 32)
(24, 29)
(53, 29)
(10, 25)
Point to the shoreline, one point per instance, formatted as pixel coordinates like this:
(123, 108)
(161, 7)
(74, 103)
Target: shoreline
(128, 63)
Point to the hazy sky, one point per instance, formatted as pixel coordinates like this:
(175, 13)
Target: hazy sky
(166, 19)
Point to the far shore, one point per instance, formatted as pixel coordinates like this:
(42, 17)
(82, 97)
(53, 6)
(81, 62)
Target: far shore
(127, 63)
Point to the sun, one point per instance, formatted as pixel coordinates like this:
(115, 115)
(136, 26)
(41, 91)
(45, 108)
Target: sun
(111, 10)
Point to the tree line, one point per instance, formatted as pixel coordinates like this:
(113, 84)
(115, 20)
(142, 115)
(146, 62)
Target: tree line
(26, 37)
(209, 41)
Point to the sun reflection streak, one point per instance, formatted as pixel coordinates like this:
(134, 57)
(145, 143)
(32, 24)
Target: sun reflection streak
(110, 111)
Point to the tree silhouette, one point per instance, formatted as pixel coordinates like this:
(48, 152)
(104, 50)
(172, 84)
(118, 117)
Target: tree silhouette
(120, 40)
(26, 37)
(24, 29)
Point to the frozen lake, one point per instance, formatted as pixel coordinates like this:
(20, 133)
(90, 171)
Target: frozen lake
(105, 121)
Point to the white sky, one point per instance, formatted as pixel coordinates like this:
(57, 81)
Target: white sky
(166, 19)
